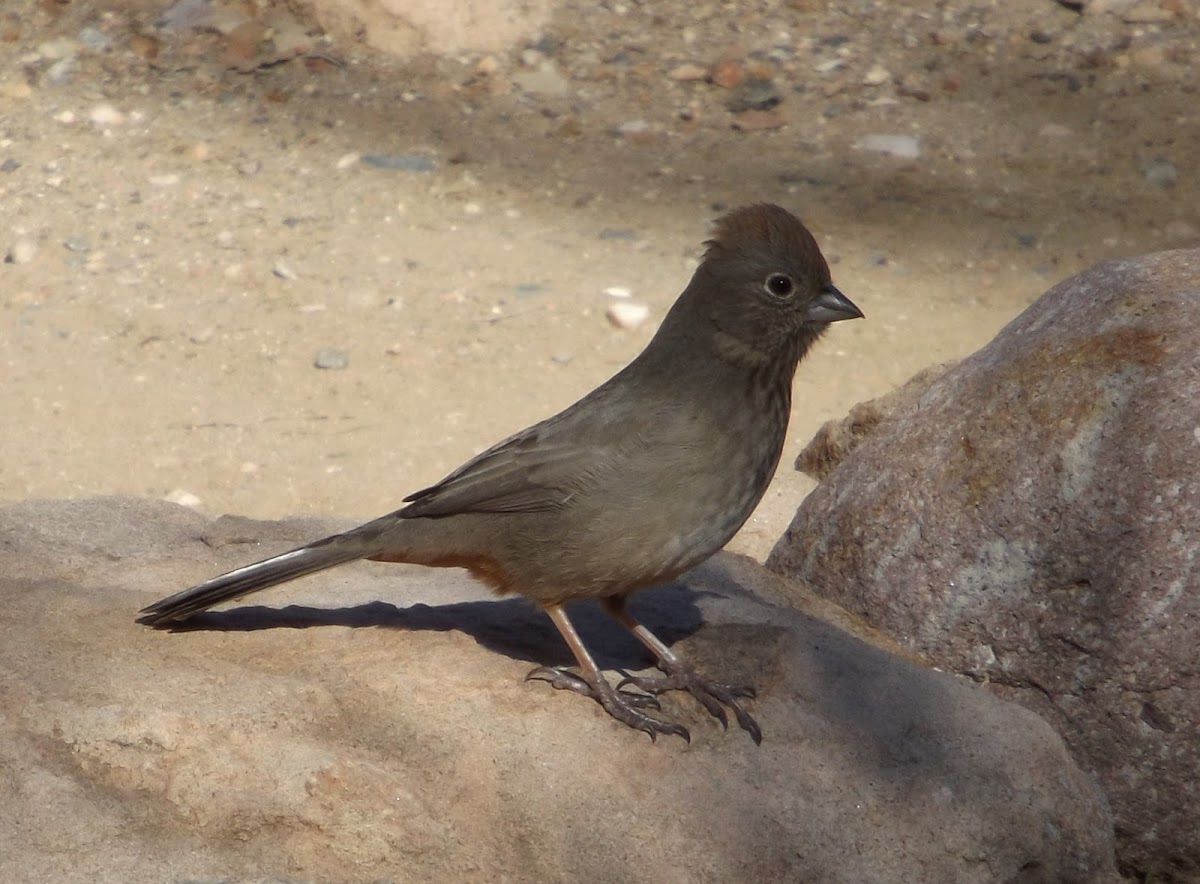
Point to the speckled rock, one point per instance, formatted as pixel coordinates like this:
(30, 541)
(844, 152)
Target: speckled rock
(1032, 518)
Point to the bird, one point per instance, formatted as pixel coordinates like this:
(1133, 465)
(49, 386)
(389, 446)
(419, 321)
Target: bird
(636, 483)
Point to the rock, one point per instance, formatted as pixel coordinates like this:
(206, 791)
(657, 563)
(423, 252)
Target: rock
(372, 723)
(1031, 519)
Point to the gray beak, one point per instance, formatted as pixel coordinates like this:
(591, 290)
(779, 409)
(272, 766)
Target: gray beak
(830, 306)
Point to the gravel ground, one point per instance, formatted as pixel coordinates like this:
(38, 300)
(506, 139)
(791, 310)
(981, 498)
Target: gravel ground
(262, 271)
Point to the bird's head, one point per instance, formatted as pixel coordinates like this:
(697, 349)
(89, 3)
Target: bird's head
(763, 288)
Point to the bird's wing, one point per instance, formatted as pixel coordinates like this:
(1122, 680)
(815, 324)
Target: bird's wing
(535, 470)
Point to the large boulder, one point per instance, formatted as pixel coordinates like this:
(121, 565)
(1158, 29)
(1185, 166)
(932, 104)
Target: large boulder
(1032, 518)
(372, 723)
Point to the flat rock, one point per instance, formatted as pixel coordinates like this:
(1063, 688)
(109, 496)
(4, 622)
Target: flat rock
(372, 723)
(1031, 517)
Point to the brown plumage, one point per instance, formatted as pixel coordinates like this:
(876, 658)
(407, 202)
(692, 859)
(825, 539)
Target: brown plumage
(643, 478)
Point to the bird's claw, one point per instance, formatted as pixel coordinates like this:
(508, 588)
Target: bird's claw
(714, 696)
(625, 706)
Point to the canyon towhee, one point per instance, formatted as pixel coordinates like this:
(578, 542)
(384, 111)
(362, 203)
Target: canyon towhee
(646, 476)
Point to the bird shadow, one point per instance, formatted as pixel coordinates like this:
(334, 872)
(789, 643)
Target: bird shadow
(514, 627)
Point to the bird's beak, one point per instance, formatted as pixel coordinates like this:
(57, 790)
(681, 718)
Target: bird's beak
(830, 306)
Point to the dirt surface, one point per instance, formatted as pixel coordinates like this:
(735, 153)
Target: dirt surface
(195, 214)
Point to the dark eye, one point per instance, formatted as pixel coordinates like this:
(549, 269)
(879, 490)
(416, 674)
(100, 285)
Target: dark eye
(780, 285)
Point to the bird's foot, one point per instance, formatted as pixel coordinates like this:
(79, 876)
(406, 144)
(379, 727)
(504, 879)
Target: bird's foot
(624, 706)
(714, 696)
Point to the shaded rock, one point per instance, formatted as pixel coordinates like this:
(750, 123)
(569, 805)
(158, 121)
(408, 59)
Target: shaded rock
(1033, 519)
(318, 733)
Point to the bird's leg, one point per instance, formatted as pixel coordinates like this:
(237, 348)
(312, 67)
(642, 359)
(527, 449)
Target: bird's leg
(621, 705)
(681, 676)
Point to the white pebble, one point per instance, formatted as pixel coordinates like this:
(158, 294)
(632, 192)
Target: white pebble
(66, 117)
(906, 147)
(618, 291)
(283, 270)
(877, 76)
(21, 252)
(346, 161)
(183, 498)
(164, 180)
(627, 314)
(105, 115)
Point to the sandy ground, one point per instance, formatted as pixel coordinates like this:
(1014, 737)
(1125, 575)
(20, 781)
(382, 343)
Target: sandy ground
(183, 238)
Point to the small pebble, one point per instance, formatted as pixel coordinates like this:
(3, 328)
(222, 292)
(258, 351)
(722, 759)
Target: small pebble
(346, 161)
(21, 252)
(283, 270)
(105, 115)
(754, 93)
(76, 244)
(726, 74)
(545, 80)
(405, 162)
(10, 165)
(1160, 172)
(618, 291)
(168, 180)
(617, 233)
(906, 147)
(331, 360)
(183, 498)
(60, 73)
(95, 40)
(877, 76)
(627, 314)
(687, 72)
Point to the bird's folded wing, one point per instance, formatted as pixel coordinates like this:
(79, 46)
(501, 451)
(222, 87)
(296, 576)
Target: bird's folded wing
(528, 472)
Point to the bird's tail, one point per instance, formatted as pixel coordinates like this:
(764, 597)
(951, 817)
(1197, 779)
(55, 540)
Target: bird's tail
(326, 553)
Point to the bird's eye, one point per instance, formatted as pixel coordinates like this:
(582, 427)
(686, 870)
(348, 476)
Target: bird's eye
(780, 285)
